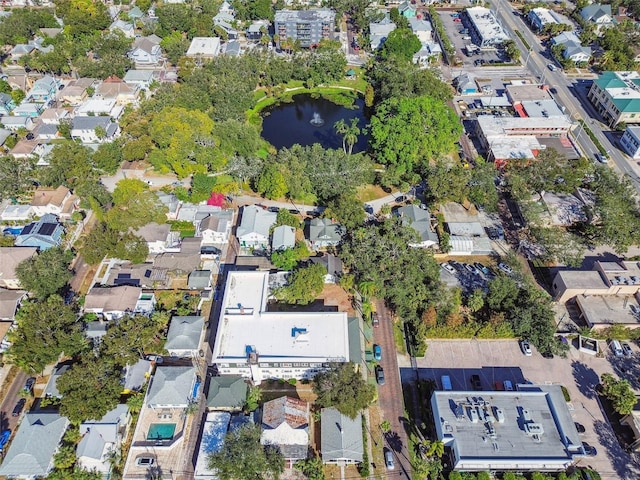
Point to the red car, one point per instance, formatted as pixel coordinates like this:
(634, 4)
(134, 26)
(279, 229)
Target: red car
(457, 20)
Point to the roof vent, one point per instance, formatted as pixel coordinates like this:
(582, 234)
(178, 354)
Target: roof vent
(533, 429)
(499, 414)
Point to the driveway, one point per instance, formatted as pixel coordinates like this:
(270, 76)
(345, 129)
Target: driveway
(499, 360)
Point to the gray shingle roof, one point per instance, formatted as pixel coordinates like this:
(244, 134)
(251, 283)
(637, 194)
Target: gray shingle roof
(256, 219)
(200, 279)
(227, 392)
(32, 449)
(284, 237)
(323, 229)
(184, 333)
(171, 386)
(90, 123)
(419, 220)
(341, 436)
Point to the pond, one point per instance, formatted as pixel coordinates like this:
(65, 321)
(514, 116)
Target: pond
(307, 120)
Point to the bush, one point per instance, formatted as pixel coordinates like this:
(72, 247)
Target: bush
(292, 381)
(565, 393)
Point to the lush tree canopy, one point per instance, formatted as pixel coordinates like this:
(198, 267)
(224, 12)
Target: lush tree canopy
(45, 330)
(103, 241)
(619, 392)
(16, 176)
(343, 387)
(134, 206)
(402, 43)
(243, 457)
(131, 338)
(305, 284)
(406, 134)
(46, 273)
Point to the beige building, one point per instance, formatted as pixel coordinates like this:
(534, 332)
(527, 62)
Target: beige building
(10, 258)
(59, 202)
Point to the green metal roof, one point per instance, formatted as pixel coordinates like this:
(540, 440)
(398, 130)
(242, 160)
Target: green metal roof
(627, 105)
(609, 80)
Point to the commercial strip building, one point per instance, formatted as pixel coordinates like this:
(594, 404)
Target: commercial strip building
(616, 97)
(530, 429)
(484, 28)
(258, 344)
(308, 27)
(630, 142)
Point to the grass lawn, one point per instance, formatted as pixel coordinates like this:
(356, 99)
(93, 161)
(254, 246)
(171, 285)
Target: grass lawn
(366, 193)
(398, 337)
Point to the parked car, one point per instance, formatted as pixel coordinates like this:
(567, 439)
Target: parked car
(475, 382)
(17, 410)
(388, 459)
(464, 31)
(589, 450)
(375, 320)
(273, 209)
(626, 349)
(505, 268)
(4, 438)
(601, 158)
(28, 385)
(447, 266)
(580, 428)
(547, 354)
(379, 375)
(508, 386)
(552, 67)
(377, 352)
(472, 269)
(458, 266)
(525, 346)
(457, 20)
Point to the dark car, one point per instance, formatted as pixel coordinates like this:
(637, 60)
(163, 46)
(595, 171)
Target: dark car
(589, 449)
(28, 385)
(379, 375)
(580, 428)
(273, 209)
(17, 410)
(475, 382)
(626, 349)
(547, 355)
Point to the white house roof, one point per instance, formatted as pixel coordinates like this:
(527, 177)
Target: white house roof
(204, 46)
(255, 220)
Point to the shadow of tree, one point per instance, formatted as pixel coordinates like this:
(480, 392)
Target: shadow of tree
(4, 421)
(627, 368)
(620, 460)
(586, 378)
(154, 473)
(394, 441)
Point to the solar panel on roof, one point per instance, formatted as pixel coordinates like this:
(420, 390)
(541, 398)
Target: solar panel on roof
(134, 282)
(124, 275)
(27, 229)
(47, 228)
(147, 273)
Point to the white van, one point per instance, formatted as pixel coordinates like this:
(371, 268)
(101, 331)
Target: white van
(616, 348)
(446, 382)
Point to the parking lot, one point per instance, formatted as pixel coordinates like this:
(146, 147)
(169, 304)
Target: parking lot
(499, 360)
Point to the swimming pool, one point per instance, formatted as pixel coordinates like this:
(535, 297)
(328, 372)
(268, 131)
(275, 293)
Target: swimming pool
(12, 230)
(161, 431)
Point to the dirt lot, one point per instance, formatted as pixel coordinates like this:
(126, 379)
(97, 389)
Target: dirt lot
(499, 360)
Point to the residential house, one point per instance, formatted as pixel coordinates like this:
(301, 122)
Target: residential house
(142, 78)
(199, 280)
(24, 149)
(16, 213)
(10, 301)
(45, 233)
(117, 90)
(285, 425)
(7, 104)
(135, 14)
(283, 237)
(95, 331)
(616, 97)
(101, 438)
(146, 51)
(28, 109)
(50, 32)
(340, 438)
(170, 201)
(114, 11)
(598, 15)
(466, 84)
(43, 90)
(127, 28)
(159, 238)
(422, 29)
(4, 134)
(179, 264)
(256, 30)
(308, 26)
(99, 106)
(77, 91)
(573, 50)
(158, 439)
(185, 336)
(135, 376)
(227, 8)
(116, 302)
(228, 393)
(214, 431)
(225, 22)
(541, 17)
(94, 129)
(332, 264)
(324, 232)
(57, 201)
(419, 220)
(34, 445)
(215, 229)
(255, 226)
(20, 50)
(10, 258)
(233, 49)
(196, 213)
(407, 10)
(16, 123)
(379, 31)
(467, 235)
(53, 116)
(204, 48)
(51, 389)
(630, 142)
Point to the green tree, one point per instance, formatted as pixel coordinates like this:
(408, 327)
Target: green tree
(407, 133)
(447, 182)
(175, 45)
(512, 50)
(272, 183)
(16, 176)
(47, 273)
(243, 457)
(103, 241)
(347, 210)
(82, 17)
(402, 43)
(312, 468)
(134, 205)
(304, 286)
(619, 392)
(89, 389)
(108, 157)
(45, 330)
(475, 302)
(343, 387)
(285, 217)
(131, 338)
(69, 165)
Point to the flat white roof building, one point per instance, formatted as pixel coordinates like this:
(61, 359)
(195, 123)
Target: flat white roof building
(204, 47)
(486, 31)
(258, 344)
(526, 430)
(630, 142)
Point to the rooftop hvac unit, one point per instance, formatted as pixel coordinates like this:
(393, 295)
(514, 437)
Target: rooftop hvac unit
(533, 429)
(499, 413)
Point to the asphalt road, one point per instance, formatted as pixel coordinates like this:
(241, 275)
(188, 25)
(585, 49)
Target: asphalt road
(569, 92)
(390, 396)
(9, 401)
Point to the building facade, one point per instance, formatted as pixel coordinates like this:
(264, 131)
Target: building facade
(616, 97)
(630, 142)
(308, 27)
(484, 27)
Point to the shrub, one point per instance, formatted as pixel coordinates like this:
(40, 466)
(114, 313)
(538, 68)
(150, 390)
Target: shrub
(565, 393)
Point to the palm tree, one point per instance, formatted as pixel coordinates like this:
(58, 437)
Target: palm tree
(342, 129)
(351, 135)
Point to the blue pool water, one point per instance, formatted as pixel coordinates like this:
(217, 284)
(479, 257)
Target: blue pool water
(12, 230)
